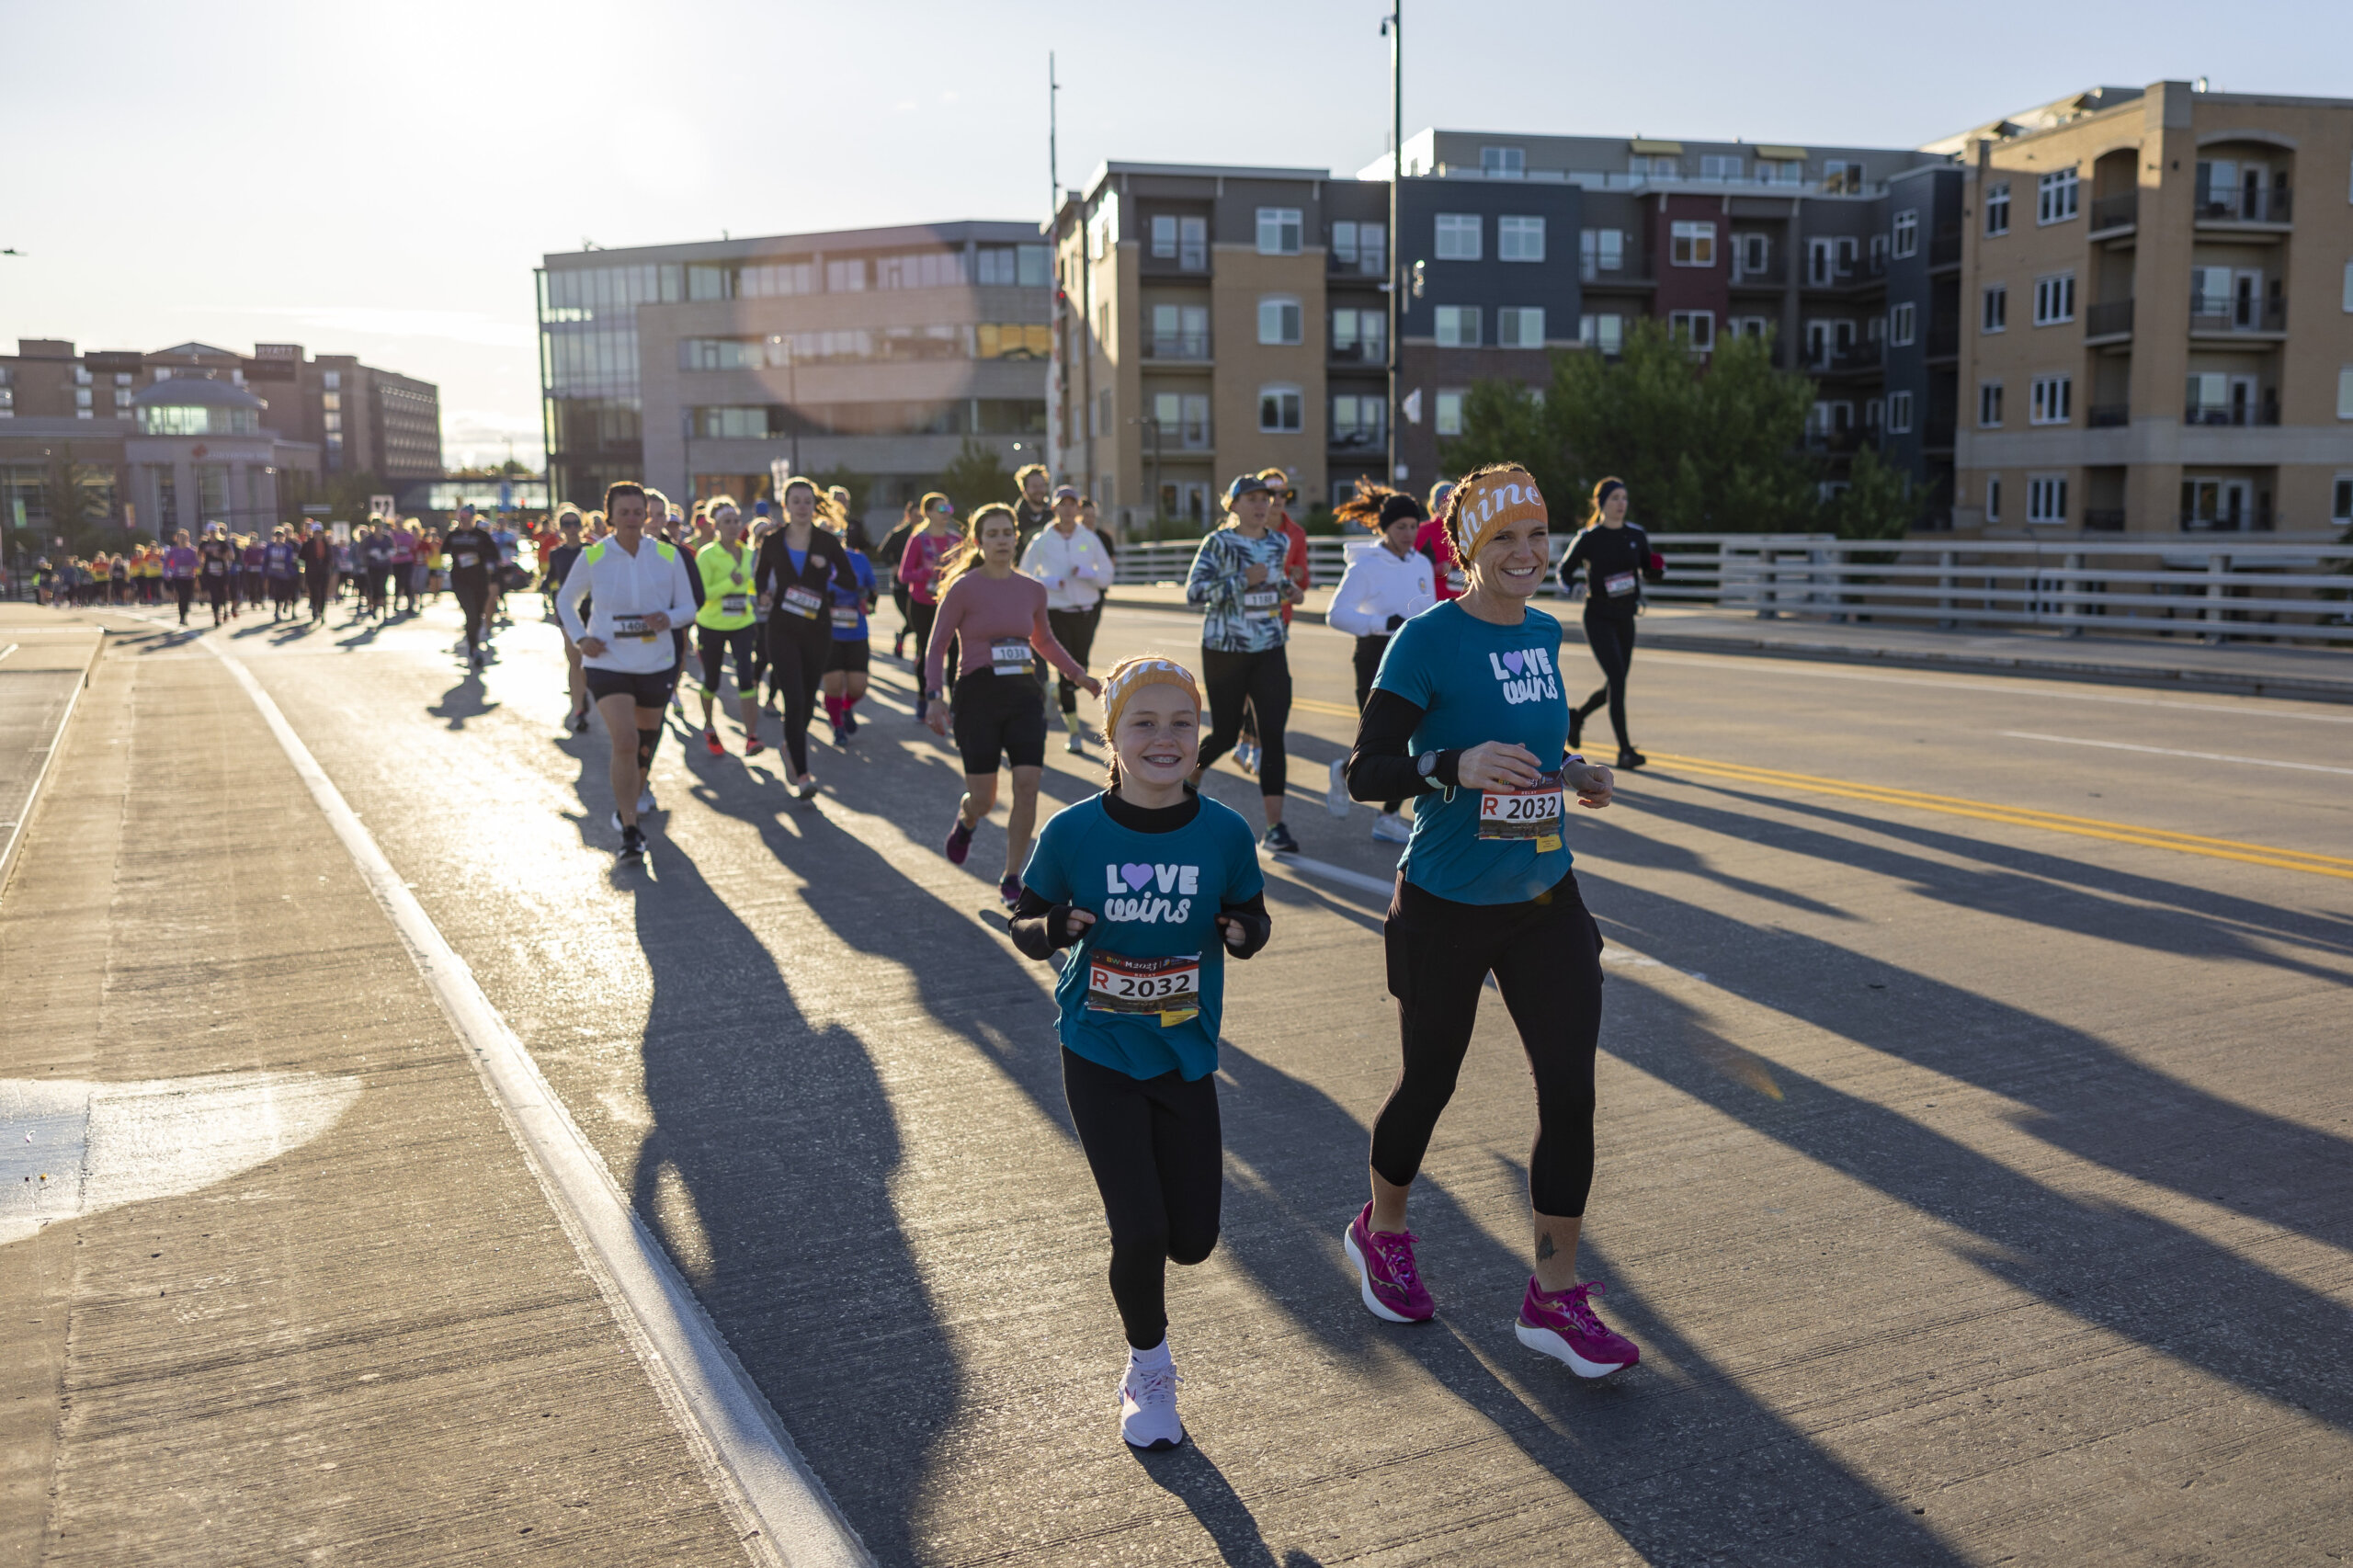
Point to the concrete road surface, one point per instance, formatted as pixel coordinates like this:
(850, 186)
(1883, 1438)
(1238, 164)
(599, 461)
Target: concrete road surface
(1976, 1134)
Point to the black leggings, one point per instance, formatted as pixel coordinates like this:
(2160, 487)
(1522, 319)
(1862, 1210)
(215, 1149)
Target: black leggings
(474, 599)
(1262, 680)
(798, 650)
(1159, 1162)
(715, 645)
(1546, 957)
(1074, 630)
(899, 598)
(184, 591)
(1611, 638)
(921, 616)
(316, 582)
(1367, 662)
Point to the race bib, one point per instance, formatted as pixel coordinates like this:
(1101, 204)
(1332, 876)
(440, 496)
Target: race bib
(733, 604)
(845, 617)
(632, 625)
(1170, 987)
(802, 602)
(463, 558)
(215, 567)
(1259, 604)
(1009, 656)
(1534, 812)
(1618, 583)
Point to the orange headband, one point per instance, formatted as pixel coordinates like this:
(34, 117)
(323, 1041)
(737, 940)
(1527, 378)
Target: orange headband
(1132, 676)
(1510, 496)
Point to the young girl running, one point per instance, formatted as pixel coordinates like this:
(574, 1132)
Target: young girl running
(1154, 885)
(1467, 714)
(844, 682)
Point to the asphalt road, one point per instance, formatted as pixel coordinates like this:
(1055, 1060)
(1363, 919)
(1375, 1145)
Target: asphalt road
(1976, 1123)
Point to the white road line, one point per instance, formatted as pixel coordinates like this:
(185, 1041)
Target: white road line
(2168, 751)
(40, 775)
(722, 1411)
(8, 650)
(1339, 874)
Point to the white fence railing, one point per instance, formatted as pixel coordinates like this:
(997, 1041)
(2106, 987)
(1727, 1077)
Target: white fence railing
(2216, 592)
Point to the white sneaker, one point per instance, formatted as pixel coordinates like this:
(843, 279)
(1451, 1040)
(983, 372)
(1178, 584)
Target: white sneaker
(1073, 745)
(1148, 1407)
(645, 800)
(1335, 793)
(1246, 756)
(1391, 828)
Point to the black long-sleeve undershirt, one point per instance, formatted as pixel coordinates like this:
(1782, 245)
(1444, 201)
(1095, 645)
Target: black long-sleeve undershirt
(1040, 927)
(1382, 766)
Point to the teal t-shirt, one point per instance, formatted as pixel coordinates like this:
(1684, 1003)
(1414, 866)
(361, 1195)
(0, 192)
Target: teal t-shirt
(1476, 682)
(1143, 991)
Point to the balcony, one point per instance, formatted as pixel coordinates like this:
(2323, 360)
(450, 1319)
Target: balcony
(2104, 519)
(1860, 273)
(2108, 416)
(1944, 248)
(1183, 261)
(1339, 265)
(2214, 317)
(1841, 443)
(1630, 276)
(1359, 353)
(2110, 322)
(2239, 413)
(1182, 346)
(1358, 439)
(1943, 342)
(1773, 276)
(2258, 519)
(1847, 359)
(2115, 215)
(2243, 204)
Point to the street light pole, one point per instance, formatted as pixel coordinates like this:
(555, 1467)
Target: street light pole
(1393, 25)
(1151, 425)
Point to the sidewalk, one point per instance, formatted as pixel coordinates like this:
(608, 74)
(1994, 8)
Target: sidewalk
(289, 1290)
(2306, 673)
(45, 660)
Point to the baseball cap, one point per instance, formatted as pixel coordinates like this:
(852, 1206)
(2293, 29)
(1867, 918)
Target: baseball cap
(1069, 490)
(1244, 485)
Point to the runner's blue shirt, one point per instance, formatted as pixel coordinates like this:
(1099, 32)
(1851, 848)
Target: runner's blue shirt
(1155, 898)
(1476, 682)
(853, 599)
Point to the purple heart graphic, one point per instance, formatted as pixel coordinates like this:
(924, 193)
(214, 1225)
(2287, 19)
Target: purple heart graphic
(1513, 662)
(1136, 876)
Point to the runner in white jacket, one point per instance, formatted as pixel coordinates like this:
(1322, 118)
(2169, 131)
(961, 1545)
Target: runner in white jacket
(1071, 560)
(1387, 582)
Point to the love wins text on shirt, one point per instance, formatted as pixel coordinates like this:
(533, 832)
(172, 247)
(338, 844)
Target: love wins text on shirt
(1136, 893)
(1526, 675)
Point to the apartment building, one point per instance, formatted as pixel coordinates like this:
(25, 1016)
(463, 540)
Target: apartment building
(2159, 333)
(695, 367)
(196, 434)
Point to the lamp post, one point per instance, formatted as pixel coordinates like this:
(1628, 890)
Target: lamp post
(1393, 26)
(1152, 426)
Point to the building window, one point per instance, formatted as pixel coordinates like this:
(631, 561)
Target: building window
(1279, 320)
(1458, 326)
(2341, 508)
(1356, 420)
(1502, 163)
(2046, 499)
(1818, 262)
(1750, 326)
(2052, 400)
(1902, 321)
(1907, 233)
(1163, 236)
(1449, 412)
(1600, 250)
(1694, 244)
(1361, 336)
(1780, 171)
(1989, 405)
(1519, 239)
(1992, 497)
(1359, 247)
(1519, 326)
(1750, 254)
(1014, 266)
(1879, 253)
(1899, 414)
(1700, 326)
(776, 278)
(1458, 236)
(331, 381)
(1841, 177)
(1655, 166)
(1180, 332)
(1606, 333)
(1994, 316)
(1184, 241)
(1281, 410)
(845, 276)
(1278, 231)
(1997, 211)
(2054, 299)
(1714, 166)
(2054, 197)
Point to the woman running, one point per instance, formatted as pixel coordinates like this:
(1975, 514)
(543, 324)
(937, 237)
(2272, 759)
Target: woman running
(797, 571)
(728, 624)
(1467, 714)
(1387, 583)
(919, 569)
(1238, 578)
(997, 616)
(844, 681)
(1615, 556)
(556, 564)
(1068, 557)
(216, 563)
(894, 545)
(1154, 885)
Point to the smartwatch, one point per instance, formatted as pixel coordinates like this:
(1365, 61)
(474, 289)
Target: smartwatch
(1426, 764)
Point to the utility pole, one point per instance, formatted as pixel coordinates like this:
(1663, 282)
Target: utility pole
(1394, 25)
(1053, 158)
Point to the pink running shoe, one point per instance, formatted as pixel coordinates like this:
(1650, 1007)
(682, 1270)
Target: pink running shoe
(960, 843)
(1562, 1324)
(1385, 1259)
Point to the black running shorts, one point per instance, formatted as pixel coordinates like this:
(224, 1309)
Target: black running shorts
(651, 691)
(999, 716)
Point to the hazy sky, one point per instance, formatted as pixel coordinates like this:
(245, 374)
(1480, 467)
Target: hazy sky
(380, 179)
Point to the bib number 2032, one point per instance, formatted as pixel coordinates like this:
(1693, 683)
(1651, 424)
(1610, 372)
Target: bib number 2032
(1170, 987)
(1534, 812)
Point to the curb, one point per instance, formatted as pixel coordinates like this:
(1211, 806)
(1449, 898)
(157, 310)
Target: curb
(35, 795)
(2029, 666)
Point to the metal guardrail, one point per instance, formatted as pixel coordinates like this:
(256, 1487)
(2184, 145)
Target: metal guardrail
(2185, 587)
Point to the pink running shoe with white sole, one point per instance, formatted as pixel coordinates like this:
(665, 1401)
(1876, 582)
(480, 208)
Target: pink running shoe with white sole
(1561, 1324)
(1389, 1283)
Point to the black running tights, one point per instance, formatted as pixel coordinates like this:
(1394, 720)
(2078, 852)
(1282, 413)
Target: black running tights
(1262, 680)
(1611, 638)
(474, 599)
(799, 649)
(1546, 957)
(1158, 1160)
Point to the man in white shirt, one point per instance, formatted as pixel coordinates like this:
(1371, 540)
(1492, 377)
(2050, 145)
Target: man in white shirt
(637, 590)
(1073, 564)
(1387, 582)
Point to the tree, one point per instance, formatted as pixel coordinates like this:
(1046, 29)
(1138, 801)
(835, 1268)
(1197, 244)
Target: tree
(1704, 445)
(1878, 502)
(76, 514)
(976, 477)
(859, 486)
